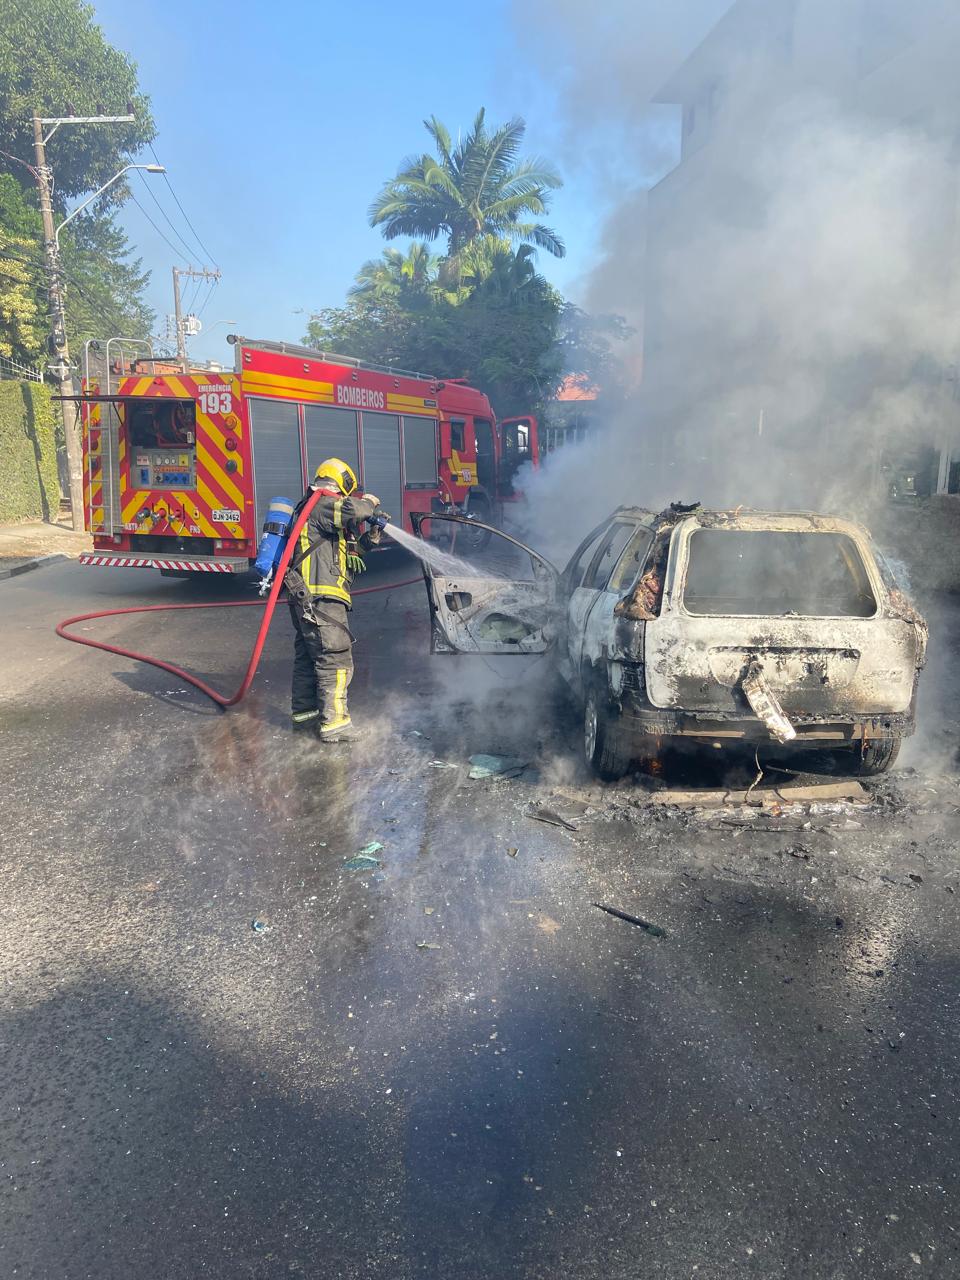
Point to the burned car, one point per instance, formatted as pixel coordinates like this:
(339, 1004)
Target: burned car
(701, 626)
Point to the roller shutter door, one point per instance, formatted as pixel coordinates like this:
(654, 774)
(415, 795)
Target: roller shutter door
(381, 460)
(420, 453)
(330, 433)
(277, 468)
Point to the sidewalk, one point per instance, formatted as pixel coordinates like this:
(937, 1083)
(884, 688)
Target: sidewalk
(25, 546)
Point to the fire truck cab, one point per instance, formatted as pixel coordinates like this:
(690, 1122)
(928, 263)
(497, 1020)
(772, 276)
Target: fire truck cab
(179, 468)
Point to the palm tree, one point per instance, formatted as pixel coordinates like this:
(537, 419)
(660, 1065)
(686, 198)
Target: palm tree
(396, 275)
(492, 266)
(479, 187)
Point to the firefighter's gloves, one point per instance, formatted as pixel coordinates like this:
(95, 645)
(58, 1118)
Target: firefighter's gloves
(372, 497)
(355, 562)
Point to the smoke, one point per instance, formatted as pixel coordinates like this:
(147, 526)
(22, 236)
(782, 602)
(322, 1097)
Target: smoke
(792, 276)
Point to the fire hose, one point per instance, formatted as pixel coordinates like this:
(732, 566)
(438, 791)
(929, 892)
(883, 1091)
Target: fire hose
(220, 699)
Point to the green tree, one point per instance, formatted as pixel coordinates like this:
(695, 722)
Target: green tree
(21, 318)
(503, 343)
(54, 60)
(105, 283)
(22, 313)
(397, 275)
(490, 266)
(477, 188)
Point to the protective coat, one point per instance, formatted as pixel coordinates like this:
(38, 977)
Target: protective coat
(335, 526)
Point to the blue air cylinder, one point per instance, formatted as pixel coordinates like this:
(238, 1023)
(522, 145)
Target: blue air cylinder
(276, 526)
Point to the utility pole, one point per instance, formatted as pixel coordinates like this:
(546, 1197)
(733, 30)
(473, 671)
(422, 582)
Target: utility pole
(60, 365)
(59, 350)
(180, 322)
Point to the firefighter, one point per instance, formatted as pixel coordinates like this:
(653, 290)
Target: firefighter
(318, 583)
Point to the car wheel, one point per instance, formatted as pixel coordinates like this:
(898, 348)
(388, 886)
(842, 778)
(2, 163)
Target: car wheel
(605, 745)
(474, 540)
(876, 757)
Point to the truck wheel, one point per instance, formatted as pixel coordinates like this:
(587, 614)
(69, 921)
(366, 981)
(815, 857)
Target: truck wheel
(876, 757)
(605, 745)
(474, 540)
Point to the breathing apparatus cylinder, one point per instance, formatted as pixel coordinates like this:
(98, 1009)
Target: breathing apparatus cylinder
(276, 526)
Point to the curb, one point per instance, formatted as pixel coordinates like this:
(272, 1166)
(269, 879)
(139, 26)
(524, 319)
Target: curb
(37, 563)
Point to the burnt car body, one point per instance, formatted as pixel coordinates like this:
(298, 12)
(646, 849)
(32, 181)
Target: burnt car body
(704, 627)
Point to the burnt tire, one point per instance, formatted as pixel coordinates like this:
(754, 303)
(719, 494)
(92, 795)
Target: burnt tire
(606, 748)
(875, 757)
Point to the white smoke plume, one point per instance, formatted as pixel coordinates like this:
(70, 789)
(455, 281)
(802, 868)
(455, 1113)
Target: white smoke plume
(793, 277)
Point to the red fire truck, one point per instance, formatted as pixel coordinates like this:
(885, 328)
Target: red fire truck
(179, 468)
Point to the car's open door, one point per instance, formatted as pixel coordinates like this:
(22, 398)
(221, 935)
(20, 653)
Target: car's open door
(502, 601)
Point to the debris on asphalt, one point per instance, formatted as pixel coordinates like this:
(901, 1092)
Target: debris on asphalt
(428, 911)
(654, 930)
(369, 849)
(362, 862)
(428, 946)
(798, 851)
(441, 764)
(542, 814)
(513, 851)
(818, 795)
(482, 766)
(258, 926)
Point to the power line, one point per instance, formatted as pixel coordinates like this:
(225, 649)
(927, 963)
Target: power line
(164, 215)
(203, 305)
(206, 252)
(197, 286)
(165, 239)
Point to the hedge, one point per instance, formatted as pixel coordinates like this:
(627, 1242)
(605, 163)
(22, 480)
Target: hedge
(29, 484)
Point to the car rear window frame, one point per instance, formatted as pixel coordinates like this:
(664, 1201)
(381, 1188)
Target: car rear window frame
(873, 580)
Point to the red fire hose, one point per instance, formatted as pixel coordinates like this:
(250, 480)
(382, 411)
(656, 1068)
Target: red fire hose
(271, 603)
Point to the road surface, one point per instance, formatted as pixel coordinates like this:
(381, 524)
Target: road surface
(455, 1065)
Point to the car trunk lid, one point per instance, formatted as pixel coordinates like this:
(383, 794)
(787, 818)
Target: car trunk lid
(820, 639)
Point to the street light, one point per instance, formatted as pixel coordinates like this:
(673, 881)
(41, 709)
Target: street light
(149, 168)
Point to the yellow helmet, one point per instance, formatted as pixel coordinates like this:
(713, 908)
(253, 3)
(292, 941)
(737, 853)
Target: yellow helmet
(341, 475)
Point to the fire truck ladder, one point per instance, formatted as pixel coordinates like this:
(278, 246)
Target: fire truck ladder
(327, 357)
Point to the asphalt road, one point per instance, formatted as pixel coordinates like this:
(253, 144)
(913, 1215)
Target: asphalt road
(770, 1090)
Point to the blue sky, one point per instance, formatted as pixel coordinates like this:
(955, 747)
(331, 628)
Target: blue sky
(278, 126)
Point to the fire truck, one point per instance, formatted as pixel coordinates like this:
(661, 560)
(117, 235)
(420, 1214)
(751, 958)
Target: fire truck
(179, 468)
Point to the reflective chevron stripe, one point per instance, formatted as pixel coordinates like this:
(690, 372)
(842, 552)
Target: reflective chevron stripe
(148, 562)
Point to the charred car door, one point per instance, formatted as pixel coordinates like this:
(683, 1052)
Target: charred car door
(501, 601)
(589, 594)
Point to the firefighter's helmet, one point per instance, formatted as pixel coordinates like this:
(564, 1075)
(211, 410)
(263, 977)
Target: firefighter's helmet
(342, 475)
